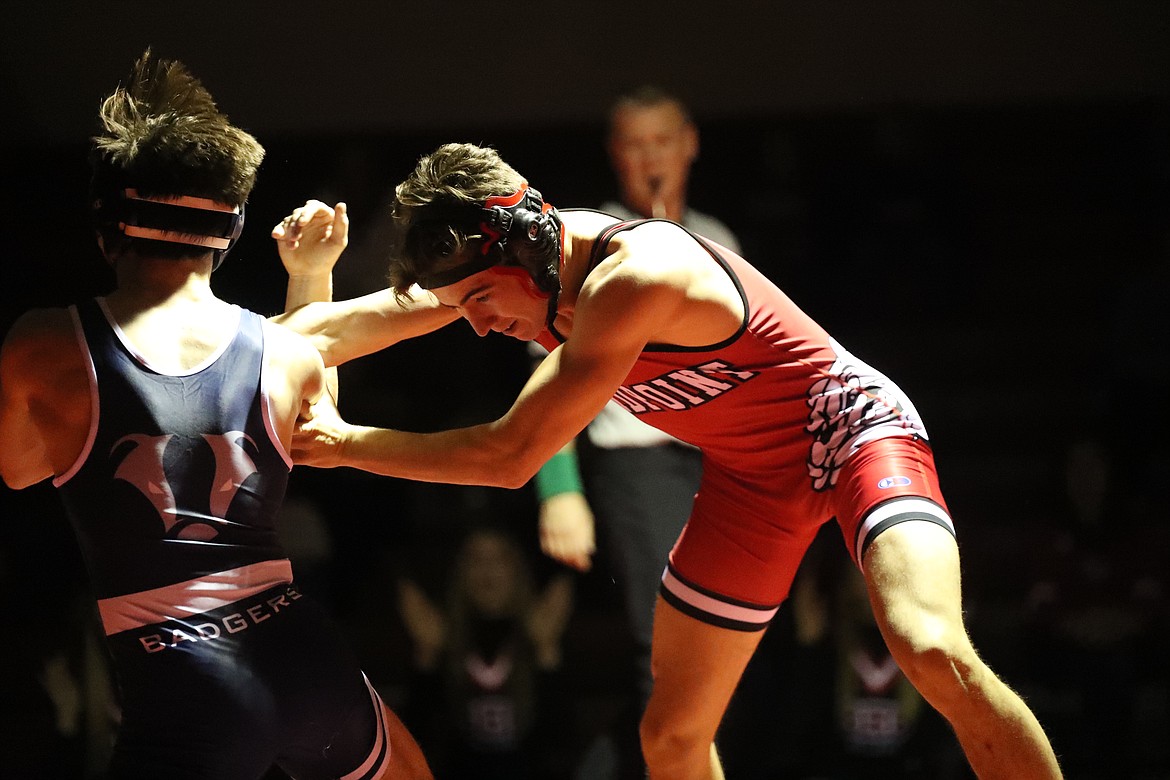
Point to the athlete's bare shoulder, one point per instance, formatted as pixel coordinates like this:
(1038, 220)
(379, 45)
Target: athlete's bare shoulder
(44, 397)
(290, 350)
(39, 336)
(283, 337)
(294, 368)
(587, 221)
(668, 267)
(656, 253)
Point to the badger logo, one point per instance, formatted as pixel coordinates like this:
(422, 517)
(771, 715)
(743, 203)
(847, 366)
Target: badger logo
(149, 463)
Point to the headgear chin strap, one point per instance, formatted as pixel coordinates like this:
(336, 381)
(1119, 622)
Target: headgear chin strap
(180, 219)
(518, 230)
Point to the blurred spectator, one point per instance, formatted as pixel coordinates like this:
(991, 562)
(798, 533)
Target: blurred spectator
(1098, 621)
(884, 727)
(488, 663)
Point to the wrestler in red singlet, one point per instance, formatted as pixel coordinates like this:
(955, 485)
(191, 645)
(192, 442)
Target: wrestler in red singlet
(794, 430)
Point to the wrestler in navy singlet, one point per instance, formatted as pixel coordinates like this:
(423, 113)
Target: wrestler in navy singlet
(223, 667)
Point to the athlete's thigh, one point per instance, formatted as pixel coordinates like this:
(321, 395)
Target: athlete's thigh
(886, 483)
(172, 756)
(913, 575)
(737, 556)
(696, 669)
(895, 521)
(407, 761)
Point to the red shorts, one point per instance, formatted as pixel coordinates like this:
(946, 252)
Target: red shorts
(735, 561)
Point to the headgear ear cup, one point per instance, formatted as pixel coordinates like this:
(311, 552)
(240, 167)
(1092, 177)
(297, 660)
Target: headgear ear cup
(529, 230)
(237, 231)
(519, 230)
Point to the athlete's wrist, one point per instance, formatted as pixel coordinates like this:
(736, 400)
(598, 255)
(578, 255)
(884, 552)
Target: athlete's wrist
(350, 444)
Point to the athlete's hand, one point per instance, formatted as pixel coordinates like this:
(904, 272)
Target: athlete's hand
(567, 530)
(312, 238)
(319, 435)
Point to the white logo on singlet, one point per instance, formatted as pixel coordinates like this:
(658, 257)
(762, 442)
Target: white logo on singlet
(849, 406)
(150, 463)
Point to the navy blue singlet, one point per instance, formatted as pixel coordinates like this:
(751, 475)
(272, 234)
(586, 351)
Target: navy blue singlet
(224, 668)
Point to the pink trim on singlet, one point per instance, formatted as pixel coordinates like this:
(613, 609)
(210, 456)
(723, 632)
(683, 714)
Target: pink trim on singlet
(367, 768)
(912, 507)
(138, 356)
(701, 601)
(191, 597)
(267, 412)
(94, 407)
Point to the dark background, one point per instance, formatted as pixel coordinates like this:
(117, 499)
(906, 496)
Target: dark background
(972, 197)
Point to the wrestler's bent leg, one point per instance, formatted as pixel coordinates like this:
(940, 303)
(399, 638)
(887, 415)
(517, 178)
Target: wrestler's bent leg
(696, 668)
(912, 573)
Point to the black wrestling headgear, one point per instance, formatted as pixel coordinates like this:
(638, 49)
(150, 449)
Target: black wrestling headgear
(179, 219)
(519, 230)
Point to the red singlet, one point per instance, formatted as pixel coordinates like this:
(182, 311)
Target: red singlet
(794, 432)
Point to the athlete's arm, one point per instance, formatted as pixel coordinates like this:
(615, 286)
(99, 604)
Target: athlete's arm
(43, 392)
(617, 314)
(310, 240)
(344, 330)
(295, 377)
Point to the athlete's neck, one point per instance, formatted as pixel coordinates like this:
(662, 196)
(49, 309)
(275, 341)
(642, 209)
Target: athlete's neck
(581, 231)
(147, 283)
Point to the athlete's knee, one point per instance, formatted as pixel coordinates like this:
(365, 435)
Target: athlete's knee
(670, 739)
(939, 660)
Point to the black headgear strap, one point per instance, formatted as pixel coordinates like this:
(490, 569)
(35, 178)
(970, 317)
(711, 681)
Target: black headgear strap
(522, 216)
(180, 219)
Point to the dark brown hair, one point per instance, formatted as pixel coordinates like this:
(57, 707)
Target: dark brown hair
(163, 135)
(435, 213)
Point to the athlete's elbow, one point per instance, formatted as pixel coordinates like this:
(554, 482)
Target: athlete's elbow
(517, 479)
(508, 467)
(505, 474)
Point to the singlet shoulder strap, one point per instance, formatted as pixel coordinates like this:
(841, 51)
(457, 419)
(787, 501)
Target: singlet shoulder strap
(604, 237)
(89, 312)
(598, 253)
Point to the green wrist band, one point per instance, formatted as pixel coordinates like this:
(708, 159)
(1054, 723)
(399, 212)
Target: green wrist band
(558, 475)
